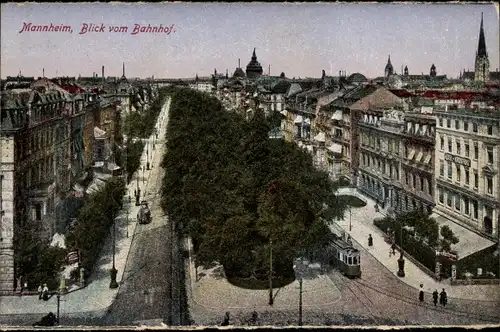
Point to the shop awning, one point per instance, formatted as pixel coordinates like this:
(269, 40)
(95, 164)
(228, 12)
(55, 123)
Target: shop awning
(428, 158)
(419, 156)
(337, 115)
(320, 137)
(335, 148)
(298, 119)
(411, 154)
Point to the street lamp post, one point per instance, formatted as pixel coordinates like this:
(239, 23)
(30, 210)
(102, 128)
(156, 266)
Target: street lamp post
(147, 154)
(401, 261)
(350, 219)
(58, 306)
(271, 300)
(298, 270)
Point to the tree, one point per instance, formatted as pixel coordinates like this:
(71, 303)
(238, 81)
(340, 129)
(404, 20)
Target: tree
(448, 238)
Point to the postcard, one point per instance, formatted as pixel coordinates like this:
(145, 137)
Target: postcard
(249, 164)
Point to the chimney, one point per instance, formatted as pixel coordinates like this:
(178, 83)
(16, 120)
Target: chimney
(43, 72)
(269, 70)
(239, 65)
(103, 74)
(340, 73)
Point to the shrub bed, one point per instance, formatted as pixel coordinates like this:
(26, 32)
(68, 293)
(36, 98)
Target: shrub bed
(417, 249)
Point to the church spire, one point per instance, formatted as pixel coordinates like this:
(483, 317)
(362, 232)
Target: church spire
(481, 48)
(123, 74)
(254, 56)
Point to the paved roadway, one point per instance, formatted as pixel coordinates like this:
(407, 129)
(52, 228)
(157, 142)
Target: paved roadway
(378, 293)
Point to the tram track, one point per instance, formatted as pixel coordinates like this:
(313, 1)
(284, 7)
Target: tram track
(412, 301)
(361, 298)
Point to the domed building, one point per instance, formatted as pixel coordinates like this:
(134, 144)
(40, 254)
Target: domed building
(254, 69)
(357, 78)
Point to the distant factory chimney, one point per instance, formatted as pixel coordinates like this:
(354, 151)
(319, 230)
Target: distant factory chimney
(103, 79)
(269, 70)
(43, 72)
(239, 65)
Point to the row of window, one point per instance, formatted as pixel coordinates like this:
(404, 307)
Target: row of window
(466, 177)
(408, 204)
(466, 149)
(459, 124)
(460, 203)
(42, 171)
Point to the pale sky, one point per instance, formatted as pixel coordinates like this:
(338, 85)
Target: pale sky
(298, 39)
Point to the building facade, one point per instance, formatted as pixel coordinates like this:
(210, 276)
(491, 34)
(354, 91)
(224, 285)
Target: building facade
(467, 162)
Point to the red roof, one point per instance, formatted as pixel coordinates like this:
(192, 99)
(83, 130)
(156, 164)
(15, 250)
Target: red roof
(447, 95)
(401, 93)
(73, 88)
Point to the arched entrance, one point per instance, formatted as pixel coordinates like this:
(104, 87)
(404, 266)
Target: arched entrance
(488, 224)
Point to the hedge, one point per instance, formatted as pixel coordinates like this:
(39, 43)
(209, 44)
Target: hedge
(418, 250)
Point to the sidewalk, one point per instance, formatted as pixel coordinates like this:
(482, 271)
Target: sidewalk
(97, 297)
(362, 226)
(208, 288)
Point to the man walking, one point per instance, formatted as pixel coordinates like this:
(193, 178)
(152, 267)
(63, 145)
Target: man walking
(443, 298)
(421, 293)
(370, 240)
(40, 289)
(45, 292)
(392, 251)
(435, 295)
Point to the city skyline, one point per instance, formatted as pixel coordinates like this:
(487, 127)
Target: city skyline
(297, 41)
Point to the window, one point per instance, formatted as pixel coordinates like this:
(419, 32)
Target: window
(474, 127)
(466, 175)
(490, 130)
(457, 202)
(489, 185)
(476, 151)
(441, 167)
(466, 149)
(458, 172)
(474, 207)
(441, 196)
(476, 179)
(441, 124)
(466, 126)
(38, 211)
(459, 150)
(489, 151)
(466, 205)
(442, 143)
(414, 182)
(448, 198)
(448, 123)
(449, 144)
(457, 124)
(450, 171)
(421, 184)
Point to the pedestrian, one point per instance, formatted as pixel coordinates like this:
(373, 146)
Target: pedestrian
(225, 322)
(393, 249)
(435, 295)
(421, 293)
(25, 288)
(40, 289)
(370, 240)
(45, 292)
(443, 298)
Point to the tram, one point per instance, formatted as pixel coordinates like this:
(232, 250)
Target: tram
(345, 257)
